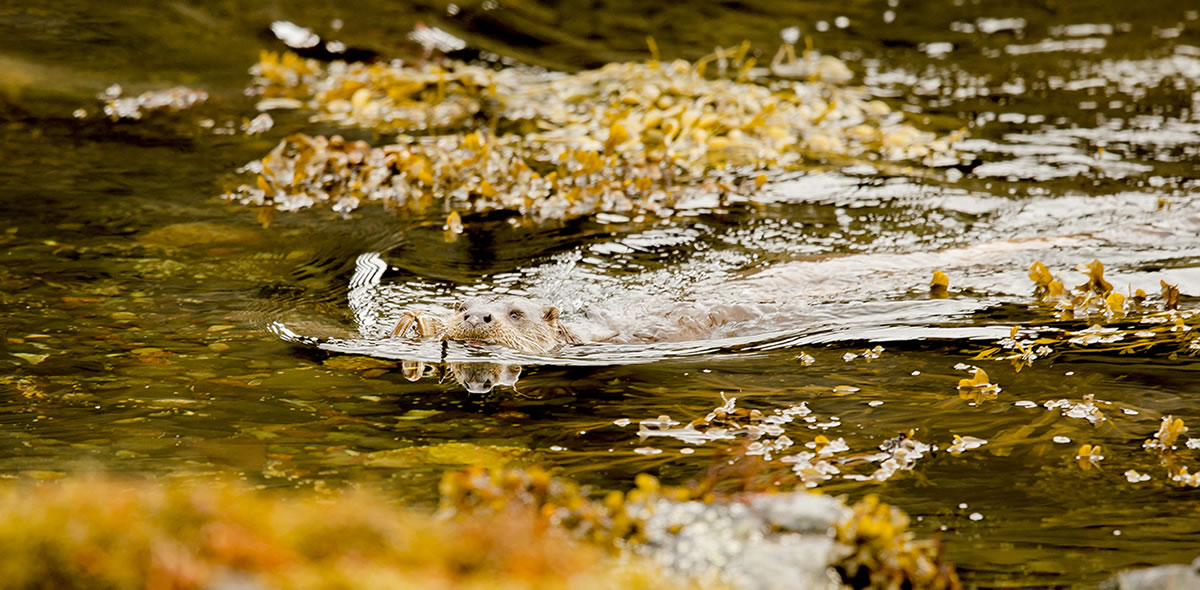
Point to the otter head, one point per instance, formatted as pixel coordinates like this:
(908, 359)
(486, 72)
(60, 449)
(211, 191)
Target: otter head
(510, 321)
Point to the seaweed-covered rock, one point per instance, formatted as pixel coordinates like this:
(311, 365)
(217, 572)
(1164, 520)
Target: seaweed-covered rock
(749, 541)
(103, 532)
(626, 137)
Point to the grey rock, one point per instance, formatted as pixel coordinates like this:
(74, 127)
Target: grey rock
(1163, 577)
(764, 542)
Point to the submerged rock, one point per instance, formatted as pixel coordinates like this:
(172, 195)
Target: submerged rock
(182, 235)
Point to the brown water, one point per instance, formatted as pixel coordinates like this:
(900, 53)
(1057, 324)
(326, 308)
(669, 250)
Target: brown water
(136, 343)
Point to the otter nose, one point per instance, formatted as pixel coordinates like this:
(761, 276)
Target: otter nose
(475, 319)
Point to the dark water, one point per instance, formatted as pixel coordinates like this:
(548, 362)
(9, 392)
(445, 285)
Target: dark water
(135, 340)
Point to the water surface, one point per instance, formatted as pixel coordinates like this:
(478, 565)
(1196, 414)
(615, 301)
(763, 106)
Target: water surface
(137, 303)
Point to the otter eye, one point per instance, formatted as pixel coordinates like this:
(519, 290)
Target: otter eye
(459, 306)
(516, 314)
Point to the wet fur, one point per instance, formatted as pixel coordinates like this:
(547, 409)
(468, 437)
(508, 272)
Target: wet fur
(514, 322)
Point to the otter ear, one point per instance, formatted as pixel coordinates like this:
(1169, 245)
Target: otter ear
(566, 335)
(550, 314)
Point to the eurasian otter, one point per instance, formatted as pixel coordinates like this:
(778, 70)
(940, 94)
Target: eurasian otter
(507, 320)
(529, 326)
(516, 322)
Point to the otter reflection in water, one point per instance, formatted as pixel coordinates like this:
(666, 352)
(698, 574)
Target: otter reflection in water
(479, 378)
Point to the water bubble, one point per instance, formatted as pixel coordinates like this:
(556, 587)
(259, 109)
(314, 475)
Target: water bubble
(938, 49)
(790, 35)
(294, 35)
(1134, 477)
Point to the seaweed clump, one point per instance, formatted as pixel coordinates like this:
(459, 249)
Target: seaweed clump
(886, 554)
(614, 521)
(627, 138)
(1163, 442)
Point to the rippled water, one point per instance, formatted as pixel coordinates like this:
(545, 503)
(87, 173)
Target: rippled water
(137, 304)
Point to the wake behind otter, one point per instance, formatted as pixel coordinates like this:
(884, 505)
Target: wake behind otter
(775, 304)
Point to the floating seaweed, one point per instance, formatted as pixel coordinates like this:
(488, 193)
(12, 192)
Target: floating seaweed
(1163, 442)
(899, 453)
(117, 107)
(978, 388)
(1089, 456)
(868, 355)
(1086, 409)
(1115, 322)
(815, 467)
(765, 436)
(962, 444)
(727, 422)
(939, 285)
